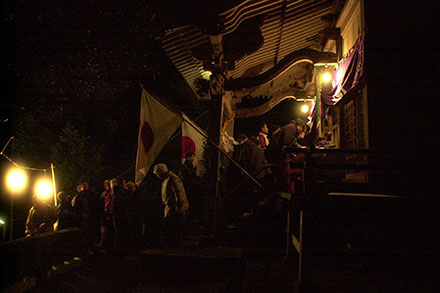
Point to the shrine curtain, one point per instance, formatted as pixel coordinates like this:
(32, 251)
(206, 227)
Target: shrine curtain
(347, 77)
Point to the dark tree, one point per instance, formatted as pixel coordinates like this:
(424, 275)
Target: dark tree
(73, 76)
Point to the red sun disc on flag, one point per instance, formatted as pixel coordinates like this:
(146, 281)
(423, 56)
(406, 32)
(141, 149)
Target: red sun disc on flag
(147, 136)
(188, 145)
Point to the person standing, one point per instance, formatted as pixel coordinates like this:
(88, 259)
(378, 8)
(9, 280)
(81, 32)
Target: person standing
(81, 208)
(175, 202)
(249, 155)
(292, 132)
(67, 215)
(193, 187)
(41, 218)
(119, 209)
(106, 220)
(95, 211)
(263, 139)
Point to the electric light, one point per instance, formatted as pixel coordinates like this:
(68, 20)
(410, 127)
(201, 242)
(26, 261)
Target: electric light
(2, 222)
(326, 77)
(16, 180)
(305, 108)
(43, 189)
(206, 74)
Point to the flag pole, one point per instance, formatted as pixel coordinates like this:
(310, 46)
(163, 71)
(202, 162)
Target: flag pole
(185, 118)
(180, 132)
(160, 101)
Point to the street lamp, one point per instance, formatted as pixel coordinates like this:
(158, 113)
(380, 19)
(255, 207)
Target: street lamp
(16, 180)
(43, 189)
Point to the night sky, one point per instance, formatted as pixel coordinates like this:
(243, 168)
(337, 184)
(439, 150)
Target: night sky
(80, 66)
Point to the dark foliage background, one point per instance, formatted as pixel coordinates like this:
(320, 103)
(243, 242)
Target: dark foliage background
(73, 75)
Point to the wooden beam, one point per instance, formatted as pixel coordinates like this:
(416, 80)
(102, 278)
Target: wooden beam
(260, 110)
(303, 55)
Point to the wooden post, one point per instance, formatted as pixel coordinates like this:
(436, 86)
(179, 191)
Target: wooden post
(11, 224)
(53, 185)
(215, 123)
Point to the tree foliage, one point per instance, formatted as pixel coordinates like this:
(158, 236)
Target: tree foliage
(74, 70)
(76, 157)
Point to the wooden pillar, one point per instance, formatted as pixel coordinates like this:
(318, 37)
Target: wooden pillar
(339, 44)
(217, 67)
(214, 156)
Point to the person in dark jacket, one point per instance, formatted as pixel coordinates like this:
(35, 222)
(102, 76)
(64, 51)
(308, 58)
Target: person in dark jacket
(67, 215)
(193, 186)
(106, 220)
(274, 152)
(249, 155)
(119, 209)
(90, 210)
(292, 133)
(41, 218)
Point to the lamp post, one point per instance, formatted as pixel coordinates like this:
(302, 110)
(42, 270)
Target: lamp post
(3, 229)
(54, 190)
(16, 181)
(321, 75)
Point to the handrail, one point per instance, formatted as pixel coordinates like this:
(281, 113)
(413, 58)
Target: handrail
(265, 167)
(337, 151)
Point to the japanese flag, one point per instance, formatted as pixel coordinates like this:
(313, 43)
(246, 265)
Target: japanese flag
(157, 124)
(193, 140)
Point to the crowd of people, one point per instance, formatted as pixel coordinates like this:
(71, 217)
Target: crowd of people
(257, 155)
(125, 216)
(255, 151)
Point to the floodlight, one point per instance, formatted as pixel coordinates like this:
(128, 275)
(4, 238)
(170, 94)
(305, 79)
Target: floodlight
(16, 180)
(326, 77)
(304, 108)
(43, 189)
